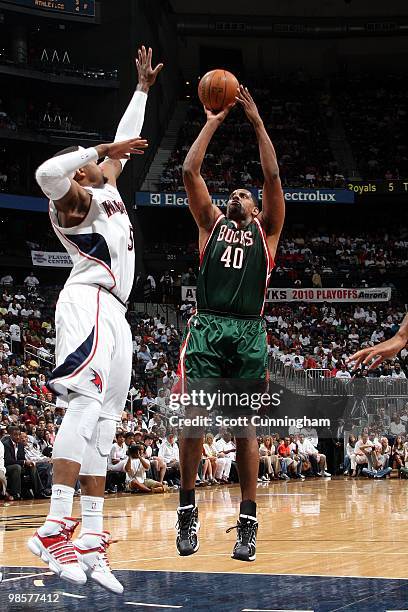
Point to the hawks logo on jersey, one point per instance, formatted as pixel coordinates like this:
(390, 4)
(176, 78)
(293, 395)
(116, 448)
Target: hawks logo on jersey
(97, 380)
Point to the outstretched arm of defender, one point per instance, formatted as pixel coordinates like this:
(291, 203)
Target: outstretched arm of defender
(273, 203)
(374, 355)
(56, 175)
(199, 201)
(131, 123)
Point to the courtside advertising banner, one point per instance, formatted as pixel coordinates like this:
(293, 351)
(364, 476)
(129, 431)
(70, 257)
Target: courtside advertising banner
(51, 259)
(296, 196)
(381, 294)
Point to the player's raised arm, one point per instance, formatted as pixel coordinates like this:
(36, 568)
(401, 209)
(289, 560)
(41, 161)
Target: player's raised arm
(374, 355)
(60, 177)
(199, 201)
(130, 126)
(273, 203)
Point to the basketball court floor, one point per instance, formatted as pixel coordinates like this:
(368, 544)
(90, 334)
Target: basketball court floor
(323, 545)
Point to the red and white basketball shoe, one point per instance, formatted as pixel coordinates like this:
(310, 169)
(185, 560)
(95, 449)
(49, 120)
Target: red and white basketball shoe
(91, 550)
(57, 550)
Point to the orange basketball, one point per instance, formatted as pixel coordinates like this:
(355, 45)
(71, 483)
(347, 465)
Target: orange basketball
(217, 89)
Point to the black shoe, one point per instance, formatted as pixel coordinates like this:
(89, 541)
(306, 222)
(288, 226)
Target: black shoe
(187, 530)
(28, 494)
(245, 546)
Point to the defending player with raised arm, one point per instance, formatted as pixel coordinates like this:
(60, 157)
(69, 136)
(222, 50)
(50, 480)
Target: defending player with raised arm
(226, 336)
(374, 355)
(93, 339)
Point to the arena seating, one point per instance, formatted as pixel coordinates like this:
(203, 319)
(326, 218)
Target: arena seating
(301, 337)
(375, 106)
(296, 130)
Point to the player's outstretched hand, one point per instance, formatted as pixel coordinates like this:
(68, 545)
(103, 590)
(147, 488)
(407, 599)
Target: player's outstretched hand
(147, 75)
(124, 149)
(220, 116)
(374, 355)
(245, 99)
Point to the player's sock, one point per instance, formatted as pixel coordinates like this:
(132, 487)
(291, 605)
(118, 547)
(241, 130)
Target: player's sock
(61, 507)
(187, 497)
(248, 507)
(92, 517)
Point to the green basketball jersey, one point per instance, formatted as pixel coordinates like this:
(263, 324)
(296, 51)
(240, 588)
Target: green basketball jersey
(235, 267)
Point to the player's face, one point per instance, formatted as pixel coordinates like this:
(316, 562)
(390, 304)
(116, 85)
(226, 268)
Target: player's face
(94, 175)
(240, 205)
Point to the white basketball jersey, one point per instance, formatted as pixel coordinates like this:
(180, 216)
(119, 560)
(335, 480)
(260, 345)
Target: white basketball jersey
(101, 246)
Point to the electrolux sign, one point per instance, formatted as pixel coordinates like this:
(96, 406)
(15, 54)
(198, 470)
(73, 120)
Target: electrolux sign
(297, 196)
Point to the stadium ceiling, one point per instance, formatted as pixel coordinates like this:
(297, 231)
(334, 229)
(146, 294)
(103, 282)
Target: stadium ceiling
(294, 8)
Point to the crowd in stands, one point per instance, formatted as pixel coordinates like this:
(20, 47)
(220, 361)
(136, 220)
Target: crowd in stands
(374, 113)
(379, 449)
(144, 455)
(307, 336)
(321, 259)
(368, 105)
(296, 130)
(324, 259)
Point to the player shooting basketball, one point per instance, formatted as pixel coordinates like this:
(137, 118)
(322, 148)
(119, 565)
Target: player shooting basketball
(226, 337)
(94, 343)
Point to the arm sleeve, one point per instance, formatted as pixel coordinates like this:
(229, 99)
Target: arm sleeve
(53, 176)
(131, 123)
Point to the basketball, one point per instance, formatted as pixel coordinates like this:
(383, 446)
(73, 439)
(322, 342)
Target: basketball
(217, 89)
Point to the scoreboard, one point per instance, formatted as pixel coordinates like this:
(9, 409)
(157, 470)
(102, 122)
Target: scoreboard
(85, 8)
(367, 187)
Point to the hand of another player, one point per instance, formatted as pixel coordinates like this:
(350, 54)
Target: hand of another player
(220, 116)
(123, 149)
(377, 354)
(147, 75)
(245, 99)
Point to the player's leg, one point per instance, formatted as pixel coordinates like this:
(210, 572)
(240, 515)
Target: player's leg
(92, 544)
(53, 540)
(191, 448)
(78, 354)
(251, 364)
(199, 360)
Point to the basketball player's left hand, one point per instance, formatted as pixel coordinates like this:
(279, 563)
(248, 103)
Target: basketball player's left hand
(245, 99)
(220, 116)
(147, 75)
(123, 149)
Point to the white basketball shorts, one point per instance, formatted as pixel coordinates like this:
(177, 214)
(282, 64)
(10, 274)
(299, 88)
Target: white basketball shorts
(93, 348)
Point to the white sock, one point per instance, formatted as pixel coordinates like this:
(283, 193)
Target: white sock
(92, 517)
(61, 506)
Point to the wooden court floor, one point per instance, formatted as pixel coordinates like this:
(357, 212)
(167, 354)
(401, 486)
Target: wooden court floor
(338, 527)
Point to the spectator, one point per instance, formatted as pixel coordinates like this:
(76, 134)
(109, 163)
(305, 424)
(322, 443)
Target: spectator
(31, 282)
(136, 468)
(3, 480)
(42, 463)
(221, 464)
(17, 466)
(169, 452)
(397, 427)
(317, 459)
(350, 458)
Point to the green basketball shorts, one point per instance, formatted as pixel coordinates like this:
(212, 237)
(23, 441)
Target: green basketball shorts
(217, 346)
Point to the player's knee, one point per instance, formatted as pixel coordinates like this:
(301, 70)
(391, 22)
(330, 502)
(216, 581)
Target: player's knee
(78, 426)
(97, 449)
